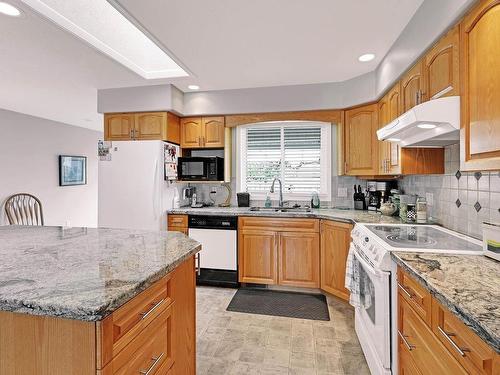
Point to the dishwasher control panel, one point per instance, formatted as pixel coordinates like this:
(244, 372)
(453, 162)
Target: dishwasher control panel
(213, 222)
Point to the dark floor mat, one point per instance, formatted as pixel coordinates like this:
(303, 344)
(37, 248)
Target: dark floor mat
(278, 303)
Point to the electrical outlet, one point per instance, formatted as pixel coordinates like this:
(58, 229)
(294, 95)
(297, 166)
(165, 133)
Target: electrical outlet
(342, 192)
(429, 197)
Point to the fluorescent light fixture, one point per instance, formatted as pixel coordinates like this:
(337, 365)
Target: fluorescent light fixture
(105, 28)
(193, 87)
(426, 126)
(9, 10)
(366, 57)
(393, 139)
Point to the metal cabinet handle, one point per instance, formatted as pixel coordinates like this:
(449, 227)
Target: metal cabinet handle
(452, 343)
(145, 314)
(131, 133)
(153, 365)
(198, 264)
(405, 291)
(405, 341)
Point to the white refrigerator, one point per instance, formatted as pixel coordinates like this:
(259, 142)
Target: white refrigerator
(133, 192)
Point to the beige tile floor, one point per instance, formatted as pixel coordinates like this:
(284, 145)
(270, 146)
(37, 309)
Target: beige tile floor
(237, 343)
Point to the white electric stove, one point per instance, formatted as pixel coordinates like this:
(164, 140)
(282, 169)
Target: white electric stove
(376, 325)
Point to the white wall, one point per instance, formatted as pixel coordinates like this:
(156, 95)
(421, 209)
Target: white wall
(29, 150)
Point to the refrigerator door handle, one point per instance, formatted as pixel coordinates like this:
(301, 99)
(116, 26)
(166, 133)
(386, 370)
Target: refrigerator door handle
(156, 191)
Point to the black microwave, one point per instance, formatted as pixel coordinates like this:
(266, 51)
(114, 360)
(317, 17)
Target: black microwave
(198, 168)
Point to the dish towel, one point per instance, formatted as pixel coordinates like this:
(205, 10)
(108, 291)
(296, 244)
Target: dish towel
(358, 283)
(352, 279)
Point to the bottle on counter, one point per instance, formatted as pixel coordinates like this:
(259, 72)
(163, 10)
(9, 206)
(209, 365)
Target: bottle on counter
(421, 208)
(268, 201)
(315, 202)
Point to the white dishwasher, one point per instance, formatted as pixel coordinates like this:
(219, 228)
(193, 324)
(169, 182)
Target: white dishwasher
(218, 258)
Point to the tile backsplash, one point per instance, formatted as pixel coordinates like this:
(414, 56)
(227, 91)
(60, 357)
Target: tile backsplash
(461, 201)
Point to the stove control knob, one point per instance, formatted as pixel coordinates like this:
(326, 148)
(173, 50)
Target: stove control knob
(367, 239)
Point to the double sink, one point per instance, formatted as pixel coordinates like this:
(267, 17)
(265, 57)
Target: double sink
(281, 209)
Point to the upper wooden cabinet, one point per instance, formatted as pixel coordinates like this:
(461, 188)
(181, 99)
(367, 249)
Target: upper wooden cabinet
(361, 143)
(335, 240)
(412, 87)
(442, 67)
(142, 126)
(202, 132)
(480, 76)
(118, 126)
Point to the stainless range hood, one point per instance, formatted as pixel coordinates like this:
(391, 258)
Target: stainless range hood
(435, 123)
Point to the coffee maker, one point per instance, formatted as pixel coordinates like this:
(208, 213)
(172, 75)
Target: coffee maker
(379, 192)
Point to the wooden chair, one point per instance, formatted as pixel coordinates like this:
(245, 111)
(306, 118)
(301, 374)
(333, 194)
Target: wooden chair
(24, 209)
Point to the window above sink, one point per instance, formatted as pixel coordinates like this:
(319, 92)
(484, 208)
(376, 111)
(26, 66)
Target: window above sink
(297, 152)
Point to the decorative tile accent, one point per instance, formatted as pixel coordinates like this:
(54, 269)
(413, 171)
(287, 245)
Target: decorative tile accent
(477, 206)
(458, 203)
(458, 175)
(478, 175)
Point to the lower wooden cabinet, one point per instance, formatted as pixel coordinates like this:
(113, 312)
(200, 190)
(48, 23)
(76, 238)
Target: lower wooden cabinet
(149, 334)
(278, 251)
(258, 256)
(432, 340)
(335, 240)
(299, 259)
(178, 223)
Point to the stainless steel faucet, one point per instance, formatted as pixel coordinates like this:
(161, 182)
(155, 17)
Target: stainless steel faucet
(281, 191)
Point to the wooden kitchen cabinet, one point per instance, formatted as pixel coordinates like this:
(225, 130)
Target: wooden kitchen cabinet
(412, 87)
(480, 77)
(299, 259)
(258, 256)
(432, 340)
(178, 223)
(442, 67)
(118, 126)
(335, 240)
(202, 132)
(278, 251)
(152, 331)
(361, 143)
(142, 126)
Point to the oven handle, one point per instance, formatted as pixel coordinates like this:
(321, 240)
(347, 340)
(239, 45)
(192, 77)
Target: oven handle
(365, 264)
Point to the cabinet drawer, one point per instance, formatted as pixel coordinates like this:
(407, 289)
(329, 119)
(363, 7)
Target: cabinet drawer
(123, 325)
(279, 224)
(475, 355)
(416, 295)
(428, 354)
(177, 221)
(150, 351)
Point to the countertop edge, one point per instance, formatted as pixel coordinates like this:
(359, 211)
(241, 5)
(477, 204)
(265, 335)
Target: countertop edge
(97, 315)
(456, 310)
(298, 215)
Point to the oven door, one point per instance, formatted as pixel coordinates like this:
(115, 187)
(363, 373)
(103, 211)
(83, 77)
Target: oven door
(372, 322)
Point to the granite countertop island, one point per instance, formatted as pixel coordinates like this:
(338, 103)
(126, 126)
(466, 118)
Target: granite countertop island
(347, 216)
(468, 285)
(82, 273)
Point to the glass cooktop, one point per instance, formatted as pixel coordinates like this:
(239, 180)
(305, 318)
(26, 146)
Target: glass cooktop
(422, 237)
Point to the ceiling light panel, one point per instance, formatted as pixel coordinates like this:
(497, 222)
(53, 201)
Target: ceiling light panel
(9, 10)
(104, 27)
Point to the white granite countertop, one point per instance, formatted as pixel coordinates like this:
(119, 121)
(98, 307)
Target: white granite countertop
(468, 285)
(348, 216)
(80, 273)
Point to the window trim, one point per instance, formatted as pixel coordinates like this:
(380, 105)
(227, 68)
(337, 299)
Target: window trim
(325, 193)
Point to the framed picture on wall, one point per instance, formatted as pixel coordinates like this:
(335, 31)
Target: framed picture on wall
(72, 170)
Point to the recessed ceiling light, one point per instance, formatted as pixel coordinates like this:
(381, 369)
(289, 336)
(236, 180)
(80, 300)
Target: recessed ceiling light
(9, 10)
(426, 126)
(366, 57)
(104, 27)
(193, 87)
(393, 139)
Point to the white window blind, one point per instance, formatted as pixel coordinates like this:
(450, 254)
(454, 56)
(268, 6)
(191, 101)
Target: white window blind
(297, 153)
